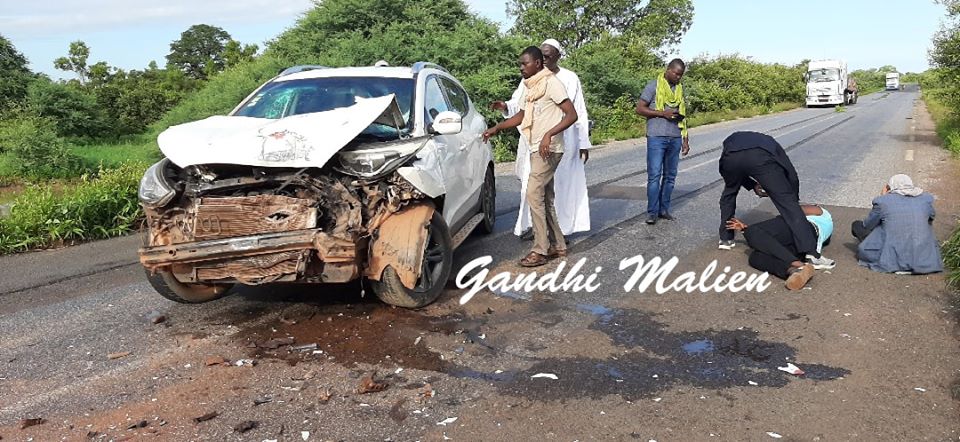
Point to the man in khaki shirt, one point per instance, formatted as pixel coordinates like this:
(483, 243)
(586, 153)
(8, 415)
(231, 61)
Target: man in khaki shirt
(545, 113)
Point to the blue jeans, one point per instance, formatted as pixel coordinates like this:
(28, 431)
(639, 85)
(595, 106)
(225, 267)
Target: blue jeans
(663, 157)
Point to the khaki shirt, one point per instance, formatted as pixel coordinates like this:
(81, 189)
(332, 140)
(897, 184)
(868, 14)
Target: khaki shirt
(547, 114)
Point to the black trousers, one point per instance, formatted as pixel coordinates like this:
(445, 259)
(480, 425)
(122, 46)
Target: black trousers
(738, 167)
(773, 247)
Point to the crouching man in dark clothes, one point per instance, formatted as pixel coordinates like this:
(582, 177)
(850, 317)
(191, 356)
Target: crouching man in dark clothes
(774, 250)
(757, 162)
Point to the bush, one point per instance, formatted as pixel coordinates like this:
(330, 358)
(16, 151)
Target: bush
(38, 152)
(97, 207)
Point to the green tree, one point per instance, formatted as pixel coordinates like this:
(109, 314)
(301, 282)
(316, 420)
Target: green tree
(72, 108)
(75, 61)
(39, 152)
(945, 54)
(14, 75)
(199, 52)
(575, 23)
(235, 53)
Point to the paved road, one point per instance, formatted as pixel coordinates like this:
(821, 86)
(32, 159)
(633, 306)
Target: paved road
(878, 350)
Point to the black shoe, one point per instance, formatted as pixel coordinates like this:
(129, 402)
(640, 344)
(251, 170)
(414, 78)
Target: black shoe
(666, 216)
(651, 220)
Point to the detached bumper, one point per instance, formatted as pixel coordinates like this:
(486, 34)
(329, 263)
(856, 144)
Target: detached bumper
(254, 259)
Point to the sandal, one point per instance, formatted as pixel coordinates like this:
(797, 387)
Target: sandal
(554, 253)
(533, 259)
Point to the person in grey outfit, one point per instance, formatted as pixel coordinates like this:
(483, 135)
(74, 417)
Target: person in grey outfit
(897, 235)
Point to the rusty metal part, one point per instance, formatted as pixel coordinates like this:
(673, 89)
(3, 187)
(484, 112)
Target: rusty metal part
(310, 229)
(239, 216)
(253, 270)
(399, 243)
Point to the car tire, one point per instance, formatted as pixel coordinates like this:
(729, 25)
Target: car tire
(169, 287)
(488, 202)
(436, 268)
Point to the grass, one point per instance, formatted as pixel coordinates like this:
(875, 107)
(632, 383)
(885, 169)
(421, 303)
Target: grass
(948, 129)
(113, 155)
(93, 207)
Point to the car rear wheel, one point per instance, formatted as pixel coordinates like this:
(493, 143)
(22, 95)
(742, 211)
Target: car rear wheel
(488, 202)
(169, 287)
(434, 271)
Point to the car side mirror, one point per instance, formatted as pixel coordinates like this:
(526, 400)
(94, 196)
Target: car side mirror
(447, 123)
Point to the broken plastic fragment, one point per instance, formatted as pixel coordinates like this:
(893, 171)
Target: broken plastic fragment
(545, 375)
(792, 369)
(305, 435)
(447, 421)
(753, 383)
(920, 389)
(774, 435)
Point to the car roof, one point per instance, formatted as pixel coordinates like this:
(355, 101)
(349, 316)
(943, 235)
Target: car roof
(363, 71)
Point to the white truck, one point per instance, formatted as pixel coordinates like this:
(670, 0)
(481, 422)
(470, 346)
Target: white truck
(893, 81)
(829, 84)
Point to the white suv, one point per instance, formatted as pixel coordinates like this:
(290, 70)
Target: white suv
(322, 175)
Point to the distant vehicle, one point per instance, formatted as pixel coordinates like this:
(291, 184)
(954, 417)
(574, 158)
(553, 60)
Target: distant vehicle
(893, 81)
(829, 83)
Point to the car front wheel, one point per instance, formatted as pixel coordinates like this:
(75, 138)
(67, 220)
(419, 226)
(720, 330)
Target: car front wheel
(169, 287)
(434, 270)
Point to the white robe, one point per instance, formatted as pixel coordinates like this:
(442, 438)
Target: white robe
(570, 181)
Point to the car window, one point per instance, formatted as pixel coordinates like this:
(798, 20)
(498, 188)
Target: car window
(458, 97)
(292, 97)
(433, 100)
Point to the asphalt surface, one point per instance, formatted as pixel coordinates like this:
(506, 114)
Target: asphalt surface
(879, 351)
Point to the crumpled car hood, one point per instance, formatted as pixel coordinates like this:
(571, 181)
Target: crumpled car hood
(305, 140)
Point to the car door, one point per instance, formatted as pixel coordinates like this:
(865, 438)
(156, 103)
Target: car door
(472, 165)
(448, 148)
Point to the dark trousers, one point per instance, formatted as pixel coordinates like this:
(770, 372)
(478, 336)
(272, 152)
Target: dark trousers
(773, 247)
(738, 167)
(859, 231)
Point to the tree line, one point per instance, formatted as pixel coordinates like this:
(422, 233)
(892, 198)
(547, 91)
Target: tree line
(615, 46)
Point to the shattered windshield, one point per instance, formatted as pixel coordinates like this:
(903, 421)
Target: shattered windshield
(822, 75)
(285, 98)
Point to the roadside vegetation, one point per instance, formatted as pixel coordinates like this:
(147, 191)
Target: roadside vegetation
(60, 137)
(941, 92)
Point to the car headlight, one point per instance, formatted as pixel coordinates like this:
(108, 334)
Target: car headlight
(155, 190)
(375, 162)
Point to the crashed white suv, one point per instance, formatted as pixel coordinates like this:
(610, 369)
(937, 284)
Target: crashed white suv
(320, 176)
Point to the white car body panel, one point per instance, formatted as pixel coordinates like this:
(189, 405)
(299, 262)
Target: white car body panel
(305, 140)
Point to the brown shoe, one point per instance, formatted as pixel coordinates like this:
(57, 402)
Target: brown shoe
(533, 259)
(799, 276)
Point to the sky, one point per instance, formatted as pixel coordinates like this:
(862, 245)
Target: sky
(130, 33)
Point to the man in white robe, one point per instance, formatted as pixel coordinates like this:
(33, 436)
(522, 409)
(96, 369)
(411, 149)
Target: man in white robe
(570, 182)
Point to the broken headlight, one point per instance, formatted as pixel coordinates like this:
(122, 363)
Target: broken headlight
(378, 161)
(155, 189)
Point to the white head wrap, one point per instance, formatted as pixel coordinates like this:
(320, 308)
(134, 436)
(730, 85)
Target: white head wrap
(902, 185)
(554, 43)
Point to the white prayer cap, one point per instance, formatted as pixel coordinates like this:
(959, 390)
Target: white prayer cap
(554, 43)
(381, 63)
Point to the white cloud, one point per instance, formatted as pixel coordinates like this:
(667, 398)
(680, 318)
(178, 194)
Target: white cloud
(26, 18)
